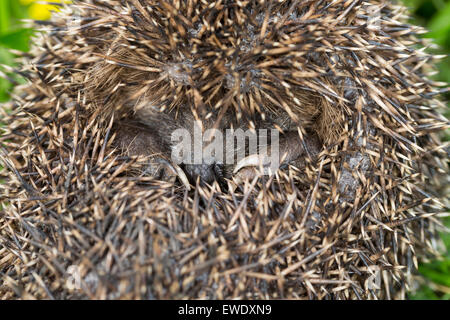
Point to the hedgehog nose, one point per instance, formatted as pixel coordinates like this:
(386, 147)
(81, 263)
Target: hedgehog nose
(207, 173)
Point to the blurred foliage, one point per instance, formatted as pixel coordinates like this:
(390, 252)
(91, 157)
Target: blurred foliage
(13, 34)
(436, 282)
(433, 14)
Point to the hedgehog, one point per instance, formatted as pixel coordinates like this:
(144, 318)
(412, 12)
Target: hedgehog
(95, 206)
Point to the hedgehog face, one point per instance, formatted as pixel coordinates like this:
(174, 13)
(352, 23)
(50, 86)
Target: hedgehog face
(216, 139)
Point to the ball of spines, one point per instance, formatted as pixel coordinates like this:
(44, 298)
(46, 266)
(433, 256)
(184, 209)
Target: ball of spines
(350, 225)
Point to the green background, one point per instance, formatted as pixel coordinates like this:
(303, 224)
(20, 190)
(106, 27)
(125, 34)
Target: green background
(433, 14)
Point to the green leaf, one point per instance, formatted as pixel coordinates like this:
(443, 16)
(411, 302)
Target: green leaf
(4, 16)
(5, 86)
(17, 39)
(18, 11)
(439, 26)
(424, 293)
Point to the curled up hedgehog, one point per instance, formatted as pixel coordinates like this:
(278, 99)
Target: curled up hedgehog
(96, 206)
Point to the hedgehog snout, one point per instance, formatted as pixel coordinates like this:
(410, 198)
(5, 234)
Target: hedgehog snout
(205, 172)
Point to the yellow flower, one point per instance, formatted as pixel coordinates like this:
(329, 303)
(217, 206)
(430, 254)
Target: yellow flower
(38, 10)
